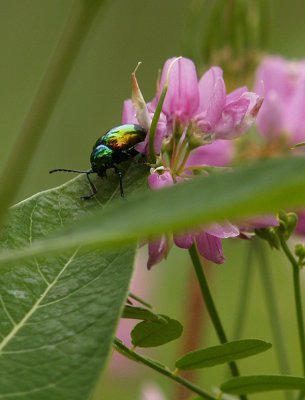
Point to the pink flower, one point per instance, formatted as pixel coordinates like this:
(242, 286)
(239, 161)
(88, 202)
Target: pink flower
(282, 83)
(205, 102)
(157, 250)
(196, 117)
(300, 229)
(217, 154)
(207, 238)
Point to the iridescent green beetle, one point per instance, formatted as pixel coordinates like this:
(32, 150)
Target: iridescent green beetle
(112, 148)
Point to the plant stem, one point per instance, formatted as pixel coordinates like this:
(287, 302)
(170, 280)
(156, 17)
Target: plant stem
(244, 292)
(153, 126)
(75, 31)
(273, 311)
(211, 306)
(297, 298)
(276, 327)
(124, 350)
(139, 300)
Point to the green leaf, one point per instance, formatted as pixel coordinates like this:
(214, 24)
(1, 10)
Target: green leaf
(156, 333)
(221, 354)
(58, 314)
(131, 312)
(262, 383)
(262, 187)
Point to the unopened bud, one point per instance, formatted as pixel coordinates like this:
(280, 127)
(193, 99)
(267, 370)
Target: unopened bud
(270, 235)
(299, 251)
(288, 222)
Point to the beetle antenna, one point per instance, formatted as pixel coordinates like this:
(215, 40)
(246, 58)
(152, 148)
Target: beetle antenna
(71, 170)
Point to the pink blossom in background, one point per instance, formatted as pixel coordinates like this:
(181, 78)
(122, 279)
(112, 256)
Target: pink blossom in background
(282, 84)
(151, 391)
(300, 228)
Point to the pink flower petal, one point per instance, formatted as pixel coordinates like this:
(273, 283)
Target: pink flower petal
(236, 94)
(161, 133)
(231, 117)
(157, 250)
(235, 122)
(212, 99)
(184, 240)
(182, 98)
(217, 103)
(261, 221)
(270, 117)
(223, 231)
(276, 74)
(217, 154)
(300, 229)
(129, 113)
(207, 84)
(210, 247)
(157, 181)
(295, 113)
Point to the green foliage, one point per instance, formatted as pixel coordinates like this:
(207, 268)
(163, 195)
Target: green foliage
(121, 348)
(263, 383)
(223, 353)
(156, 333)
(59, 313)
(131, 312)
(260, 187)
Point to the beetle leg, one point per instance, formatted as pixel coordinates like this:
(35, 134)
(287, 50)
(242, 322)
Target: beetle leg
(92, 186)
(120, 175)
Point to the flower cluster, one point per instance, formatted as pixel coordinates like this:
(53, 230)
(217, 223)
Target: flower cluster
(193, 134)
(281, 120)
(282, 83)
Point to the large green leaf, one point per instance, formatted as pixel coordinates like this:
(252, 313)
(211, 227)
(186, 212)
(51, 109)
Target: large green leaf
(58, 314)
(263, 383)
(222, 353)
(263, 186)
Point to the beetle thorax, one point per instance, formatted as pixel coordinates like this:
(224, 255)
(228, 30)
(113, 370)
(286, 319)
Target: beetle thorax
(101, 159)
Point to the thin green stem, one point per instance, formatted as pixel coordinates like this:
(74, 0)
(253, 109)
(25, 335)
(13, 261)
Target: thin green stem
(183, 162)
(174, 153)
(139, 300)
(297, 298)
(154, 123)
(124, 350)
(205, 290)
(244, 293)
(273, 310)
(74, 33)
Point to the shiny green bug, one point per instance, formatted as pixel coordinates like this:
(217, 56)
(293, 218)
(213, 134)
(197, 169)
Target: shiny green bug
(115, 146)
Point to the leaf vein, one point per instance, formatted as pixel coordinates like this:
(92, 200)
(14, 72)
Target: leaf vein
(20, 324)
(11, 319)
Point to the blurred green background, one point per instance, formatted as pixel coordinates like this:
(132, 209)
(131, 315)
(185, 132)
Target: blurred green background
(125, 32)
